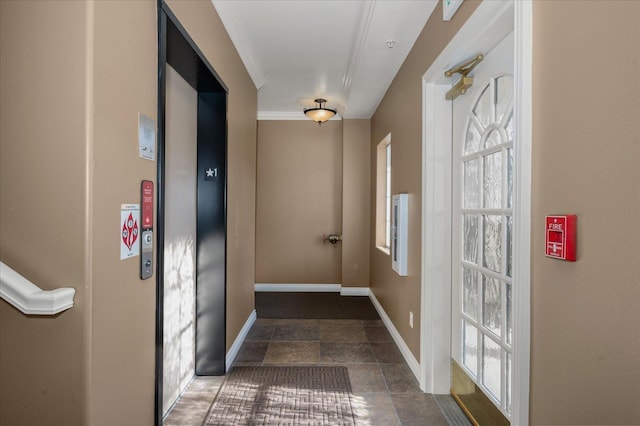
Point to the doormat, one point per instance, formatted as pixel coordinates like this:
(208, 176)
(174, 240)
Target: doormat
(284, 396)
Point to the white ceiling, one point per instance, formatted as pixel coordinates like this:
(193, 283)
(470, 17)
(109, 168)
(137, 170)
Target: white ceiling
(300, 50)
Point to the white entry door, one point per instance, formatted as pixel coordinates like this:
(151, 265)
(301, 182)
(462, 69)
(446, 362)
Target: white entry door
(482, 227)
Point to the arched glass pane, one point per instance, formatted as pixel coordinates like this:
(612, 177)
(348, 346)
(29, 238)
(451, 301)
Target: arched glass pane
(472, 138)
(471, 192)
(509, 320)
(492, 242)
(509, 178)
(509, 127)
(470, 238)
(470, 347)
(509, 245)
(491, 304)
(470, 293)
(482, 109)
(492, 181)
(503, 95)
(507, 373)
(491, 365)
(493, 139)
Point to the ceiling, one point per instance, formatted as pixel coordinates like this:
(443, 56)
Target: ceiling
(346, 51)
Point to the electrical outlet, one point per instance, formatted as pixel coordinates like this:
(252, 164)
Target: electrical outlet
(410, 319)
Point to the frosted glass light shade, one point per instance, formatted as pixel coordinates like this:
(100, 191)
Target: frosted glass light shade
(320, 114)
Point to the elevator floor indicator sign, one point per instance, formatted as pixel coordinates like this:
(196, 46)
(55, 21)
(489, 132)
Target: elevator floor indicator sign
(129, 230)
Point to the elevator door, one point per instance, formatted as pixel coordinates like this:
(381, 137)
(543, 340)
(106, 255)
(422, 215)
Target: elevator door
(192, 169)
(179, 236)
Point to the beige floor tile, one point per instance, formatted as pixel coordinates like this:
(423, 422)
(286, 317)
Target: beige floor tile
(378, 334)
(340, 322)
(192, 407)
(296, 332)
(292, 352)
(342, 333)
(399, 378)
(387, 353)
(252, 352)
(366, 378)
(276, 321)
(418, 409)
(260, 332)
(375, 409)
(346, 352)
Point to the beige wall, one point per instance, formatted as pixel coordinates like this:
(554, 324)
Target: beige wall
(43, 212)
(313, 180)
(122, 315)
(122, 321)
(400, 113)
(299, 198)
(71, 94)
(204, 26)
(356, 202)
(585, 361)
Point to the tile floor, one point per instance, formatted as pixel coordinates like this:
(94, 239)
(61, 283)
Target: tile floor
(385, 390)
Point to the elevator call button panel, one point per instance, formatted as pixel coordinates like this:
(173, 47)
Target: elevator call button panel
(146, 200)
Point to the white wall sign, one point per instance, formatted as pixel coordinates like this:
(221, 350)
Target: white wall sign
(129, 230)
(146, 137)
(449, 8)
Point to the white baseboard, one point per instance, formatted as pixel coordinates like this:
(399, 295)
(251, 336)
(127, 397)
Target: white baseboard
(318, 288)
(414, 365)
(235, 348)
(354, 291)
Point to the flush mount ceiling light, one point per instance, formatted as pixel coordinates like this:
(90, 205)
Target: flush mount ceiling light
(320, 114)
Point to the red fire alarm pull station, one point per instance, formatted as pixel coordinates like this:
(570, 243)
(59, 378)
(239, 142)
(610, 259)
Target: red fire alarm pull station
(560, 237)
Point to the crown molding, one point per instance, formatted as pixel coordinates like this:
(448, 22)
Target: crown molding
(357, 48)
(240, 40)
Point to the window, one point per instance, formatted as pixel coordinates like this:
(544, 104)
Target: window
(387, 238)
(383, 195)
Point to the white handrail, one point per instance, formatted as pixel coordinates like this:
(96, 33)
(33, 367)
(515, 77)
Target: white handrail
(31, 299)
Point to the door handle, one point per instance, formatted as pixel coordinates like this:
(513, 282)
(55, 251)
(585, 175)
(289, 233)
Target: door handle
(332, 238)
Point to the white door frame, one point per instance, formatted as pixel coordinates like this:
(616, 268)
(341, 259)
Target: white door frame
(490, 22)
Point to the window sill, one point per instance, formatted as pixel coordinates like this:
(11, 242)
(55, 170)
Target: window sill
(385, 250)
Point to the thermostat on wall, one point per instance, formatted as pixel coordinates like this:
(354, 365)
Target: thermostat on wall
(146, 137)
